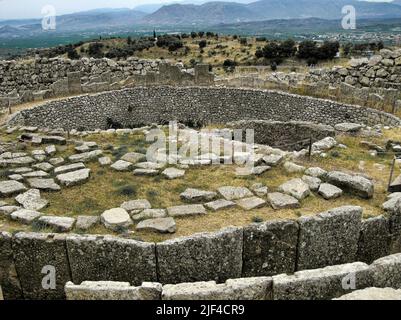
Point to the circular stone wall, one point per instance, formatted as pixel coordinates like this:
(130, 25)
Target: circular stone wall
(192, 105)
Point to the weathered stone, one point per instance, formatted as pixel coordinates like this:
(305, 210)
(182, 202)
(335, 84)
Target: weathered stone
(324, 144)
(162, 225)
(251, 203)
(32, 253)
(233, 289)
(10, 187)
(372, 294)
(173, 173)
(133, 157)
(31, 200)
(291, 167)
(43, 184)
(53, 140)
(16, 177)
(7, 210)
(196, 195)
(104, 161)
(270, 248)
(56, 161)
(201, 257)
(282, 201)
(357, 185)
(9, 281)
(35, 174)
(133, 205)
(316, 172)
(25, 216)
(386, 271)
(145, 172)
(374, 241)
(219, 204)
(312, 182)
(85, 156)
(84, 223)
(111, 290)
(74, 178)
(121, 165)
(17, 161)
(328, 191)
(107, 258)
(43, 166)
(149, 165)
(348, 127)
(329, 238)
(320, 284)
(50, 150)
(58, 224)
(116, 219)
(149, 214)
(234, 193)
(186, 210)
(296, 188)
(86, 146)
(273, 159)
(69, 168)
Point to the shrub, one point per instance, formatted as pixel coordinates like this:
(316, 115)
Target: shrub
(257, 219)
(127, 190)
(202, 44)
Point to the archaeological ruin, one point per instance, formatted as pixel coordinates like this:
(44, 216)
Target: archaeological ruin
(80, 195)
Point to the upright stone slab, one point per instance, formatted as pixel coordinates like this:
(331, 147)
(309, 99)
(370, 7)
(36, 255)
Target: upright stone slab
(322, 284)
(374, 241)
(74, 82)
(9, 281)
(108, 258)
(394, 216)
(386, 272)
(329, 238)
(36, 254)
(270, 248)
(201, 257)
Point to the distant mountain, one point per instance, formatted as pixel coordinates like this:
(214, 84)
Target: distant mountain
(226, 12)
(208, 13)
(87, 20)
(283, 28)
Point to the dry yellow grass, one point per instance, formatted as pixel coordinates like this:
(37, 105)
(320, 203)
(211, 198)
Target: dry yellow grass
(104, 189)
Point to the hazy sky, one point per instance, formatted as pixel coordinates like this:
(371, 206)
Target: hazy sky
(10, 9)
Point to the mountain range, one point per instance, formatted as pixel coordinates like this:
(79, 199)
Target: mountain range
(230, 12)
(203, 14)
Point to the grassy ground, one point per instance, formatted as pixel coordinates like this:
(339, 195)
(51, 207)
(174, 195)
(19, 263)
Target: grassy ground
(107, 189)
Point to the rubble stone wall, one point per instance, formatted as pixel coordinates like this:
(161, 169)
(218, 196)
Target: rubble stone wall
(137, 106)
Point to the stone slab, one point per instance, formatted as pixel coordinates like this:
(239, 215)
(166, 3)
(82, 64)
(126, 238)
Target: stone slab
(35, 256)
(108, 258)
(201, 257)
(270, 248)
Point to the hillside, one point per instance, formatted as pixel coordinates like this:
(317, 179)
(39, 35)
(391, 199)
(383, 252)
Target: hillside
(226, 12)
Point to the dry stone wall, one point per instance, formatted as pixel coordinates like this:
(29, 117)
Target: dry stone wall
(197, 105)
(37, 79)
(315, 284)
(259, 250)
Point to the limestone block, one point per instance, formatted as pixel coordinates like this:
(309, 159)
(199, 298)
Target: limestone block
(108, 258)
(329, 238)
(201, 257)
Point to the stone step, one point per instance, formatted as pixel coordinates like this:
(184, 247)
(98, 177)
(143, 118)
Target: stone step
(395, 186)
